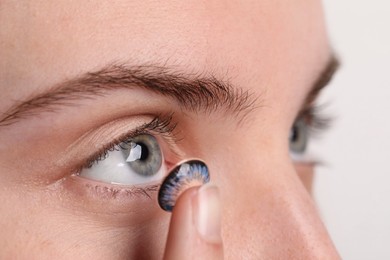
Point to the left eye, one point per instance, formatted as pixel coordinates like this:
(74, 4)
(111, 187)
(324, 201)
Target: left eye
(137, 161)
(299, 137)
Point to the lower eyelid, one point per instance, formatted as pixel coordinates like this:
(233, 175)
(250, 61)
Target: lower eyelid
(305, 158)
(105, 197)
(102, 198)
(115, 191)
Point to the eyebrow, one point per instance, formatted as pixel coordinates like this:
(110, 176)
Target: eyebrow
(322, 81)
(193, 92)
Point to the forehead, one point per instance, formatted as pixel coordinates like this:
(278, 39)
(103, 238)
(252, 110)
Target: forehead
(267, 42)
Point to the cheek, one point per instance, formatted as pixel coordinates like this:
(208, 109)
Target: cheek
(36, 222)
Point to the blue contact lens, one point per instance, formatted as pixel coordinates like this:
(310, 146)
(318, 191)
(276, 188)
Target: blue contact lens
(187, 174)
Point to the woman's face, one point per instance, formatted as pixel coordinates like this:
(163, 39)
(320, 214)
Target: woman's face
(223, 81)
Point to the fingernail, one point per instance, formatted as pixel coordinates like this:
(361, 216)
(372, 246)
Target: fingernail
(207, 213)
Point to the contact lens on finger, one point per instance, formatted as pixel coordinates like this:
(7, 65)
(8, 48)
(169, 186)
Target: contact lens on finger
(185, 175)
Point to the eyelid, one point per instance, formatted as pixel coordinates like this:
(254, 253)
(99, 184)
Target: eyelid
(75, 156)
(162, 125)
(109, 200)
(115, 191)
(306, 158)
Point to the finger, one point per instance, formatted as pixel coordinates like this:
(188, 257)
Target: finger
(195, 228)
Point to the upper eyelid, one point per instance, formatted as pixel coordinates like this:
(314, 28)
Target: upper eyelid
(74, 155)
(162, 124)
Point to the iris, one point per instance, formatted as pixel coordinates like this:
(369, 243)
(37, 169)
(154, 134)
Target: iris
(299, 137)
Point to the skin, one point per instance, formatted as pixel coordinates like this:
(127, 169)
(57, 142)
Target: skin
(274, 49)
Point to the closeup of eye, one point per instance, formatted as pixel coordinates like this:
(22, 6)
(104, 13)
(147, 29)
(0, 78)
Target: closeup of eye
(308, 126)
(138, 160)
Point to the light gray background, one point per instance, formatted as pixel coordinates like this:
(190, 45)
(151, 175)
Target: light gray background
(353, 189)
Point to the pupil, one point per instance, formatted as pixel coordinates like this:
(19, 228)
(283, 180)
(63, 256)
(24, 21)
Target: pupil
(144, 151)
(294, 134)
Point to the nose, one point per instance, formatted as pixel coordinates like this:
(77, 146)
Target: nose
(268, 214)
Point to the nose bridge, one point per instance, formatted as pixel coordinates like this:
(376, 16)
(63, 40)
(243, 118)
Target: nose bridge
(268, 216)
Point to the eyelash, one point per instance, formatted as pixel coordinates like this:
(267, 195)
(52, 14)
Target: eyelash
(317, 122)
(162, 125)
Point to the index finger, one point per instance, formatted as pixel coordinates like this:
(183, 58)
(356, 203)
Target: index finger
(195, 228)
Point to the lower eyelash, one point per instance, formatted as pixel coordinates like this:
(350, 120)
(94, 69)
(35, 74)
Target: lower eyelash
(114, 193)
(117, 192)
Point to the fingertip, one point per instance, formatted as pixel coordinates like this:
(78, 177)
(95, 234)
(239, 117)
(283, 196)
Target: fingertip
(195, 227)
(180, 239)
(207, 213)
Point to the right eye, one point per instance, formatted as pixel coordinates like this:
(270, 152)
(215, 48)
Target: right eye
(137, 161)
